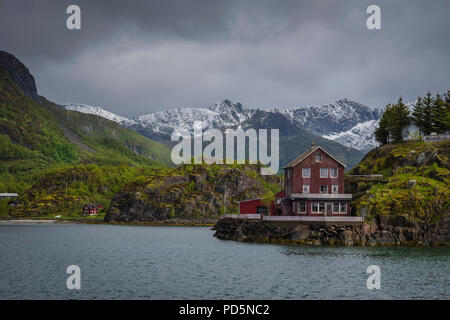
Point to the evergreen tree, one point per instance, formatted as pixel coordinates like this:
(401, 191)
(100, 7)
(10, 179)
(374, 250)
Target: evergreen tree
(439, 115)
(382, 132)
(418, 113)
(427, 105)
(393, 120)
(399, 118)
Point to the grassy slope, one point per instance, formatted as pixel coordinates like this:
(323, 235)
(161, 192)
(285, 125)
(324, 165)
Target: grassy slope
(413, 188)
(37, 139)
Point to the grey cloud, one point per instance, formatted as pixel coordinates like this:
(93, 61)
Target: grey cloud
(142, 56)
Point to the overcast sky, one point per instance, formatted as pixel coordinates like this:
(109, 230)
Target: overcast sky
(135, 57)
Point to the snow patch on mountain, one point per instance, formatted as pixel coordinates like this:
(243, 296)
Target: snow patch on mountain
(99, 111)
(344, 121)
(221, 115)
(360, 137)
(336, 117)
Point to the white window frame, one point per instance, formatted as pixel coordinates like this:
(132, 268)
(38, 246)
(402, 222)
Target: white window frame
(335, 186)
(319, 155)
(305, 186)
(324, 207)
(312, 207)
(323, 192)
(321, 173)
(305, 170)
(293, 206)
(340, 207)
(298, 207)
(337, 173)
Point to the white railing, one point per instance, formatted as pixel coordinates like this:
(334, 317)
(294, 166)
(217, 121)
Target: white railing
(314, 219)
(325, 196)
(243, 216)
(295, 218)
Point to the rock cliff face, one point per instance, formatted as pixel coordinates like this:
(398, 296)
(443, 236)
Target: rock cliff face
(190, 192)
(19, 74)
(382, 231)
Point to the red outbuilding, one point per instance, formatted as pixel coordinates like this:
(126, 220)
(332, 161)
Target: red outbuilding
(91, 209)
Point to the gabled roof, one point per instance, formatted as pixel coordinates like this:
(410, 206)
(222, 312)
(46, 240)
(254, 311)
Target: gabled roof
(304, 155)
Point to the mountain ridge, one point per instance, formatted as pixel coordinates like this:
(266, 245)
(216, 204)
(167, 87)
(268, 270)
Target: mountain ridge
(326, 121)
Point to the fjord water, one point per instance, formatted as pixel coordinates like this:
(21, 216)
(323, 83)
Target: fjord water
(134, 262)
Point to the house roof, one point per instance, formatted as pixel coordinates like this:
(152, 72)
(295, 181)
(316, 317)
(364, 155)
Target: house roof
(304, 155)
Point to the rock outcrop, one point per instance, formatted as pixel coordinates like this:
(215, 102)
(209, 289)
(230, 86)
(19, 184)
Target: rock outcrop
(189, 192)
(382, 231)
(19, 74)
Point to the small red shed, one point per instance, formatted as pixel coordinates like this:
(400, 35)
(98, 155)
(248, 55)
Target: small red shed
(254, 206)
(91, 209)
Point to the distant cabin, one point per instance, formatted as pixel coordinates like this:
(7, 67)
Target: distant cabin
(314, 186)
(91, 209)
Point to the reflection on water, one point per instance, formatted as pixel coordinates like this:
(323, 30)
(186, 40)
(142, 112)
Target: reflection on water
(126, 262)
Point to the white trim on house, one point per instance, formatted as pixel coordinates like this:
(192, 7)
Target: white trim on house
(306, 154)
(322, 196)
(304, 170)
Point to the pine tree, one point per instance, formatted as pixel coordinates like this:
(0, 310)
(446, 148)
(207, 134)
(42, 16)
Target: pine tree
(418, 113)
(427, 105)
(439, 115)
(398, 120)
(382, 132)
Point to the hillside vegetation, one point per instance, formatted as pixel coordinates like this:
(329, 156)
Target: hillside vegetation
(39, 140)
(190, 192)
(415, 186)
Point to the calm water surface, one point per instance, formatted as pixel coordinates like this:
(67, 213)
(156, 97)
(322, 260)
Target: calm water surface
(127, 262)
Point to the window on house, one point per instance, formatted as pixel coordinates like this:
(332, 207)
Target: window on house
(293, 206)
(301, 207)
(324, 172)
(343, 207)
(315, 207)
(306, 172)
(333, 172)
(322, 206)
(323, 189)
(262, 210)
(318, 157)
(335, 189)
(336, 207)
(305, 188)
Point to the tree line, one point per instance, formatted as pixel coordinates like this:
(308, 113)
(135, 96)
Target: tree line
(431, 114)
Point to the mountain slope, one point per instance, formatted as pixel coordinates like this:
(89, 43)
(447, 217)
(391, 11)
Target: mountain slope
(360, 137)
(332, 118)
(37, 135)
(294, 140)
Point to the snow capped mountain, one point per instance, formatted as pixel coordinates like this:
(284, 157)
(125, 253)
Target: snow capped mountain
(98, 111)
(332, 118)
(221, 115)
(360, 137)
(344, 121)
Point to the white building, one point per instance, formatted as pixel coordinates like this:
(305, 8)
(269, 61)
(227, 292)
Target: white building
(6, 195)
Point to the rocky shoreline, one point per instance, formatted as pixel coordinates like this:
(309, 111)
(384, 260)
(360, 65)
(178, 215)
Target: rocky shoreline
(382, 231)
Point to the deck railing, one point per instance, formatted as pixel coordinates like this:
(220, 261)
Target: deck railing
(364, 177)
(295, 218)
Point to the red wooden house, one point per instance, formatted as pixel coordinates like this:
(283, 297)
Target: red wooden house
(314, 186)
(91, 209)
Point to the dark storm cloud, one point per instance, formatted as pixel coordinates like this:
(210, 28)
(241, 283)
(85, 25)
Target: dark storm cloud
(140, 56)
